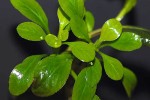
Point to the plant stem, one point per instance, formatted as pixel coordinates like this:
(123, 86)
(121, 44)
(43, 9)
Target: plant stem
(129, 4)
(73, 74)
(98, 43)
(95, 33)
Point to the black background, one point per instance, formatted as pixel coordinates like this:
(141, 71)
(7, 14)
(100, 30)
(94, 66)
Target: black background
(13, 49)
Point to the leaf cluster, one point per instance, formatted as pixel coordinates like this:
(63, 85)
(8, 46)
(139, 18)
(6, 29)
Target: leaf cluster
(48, 73)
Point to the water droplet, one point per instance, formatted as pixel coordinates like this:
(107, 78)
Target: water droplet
(42, 74)
(91, 63)
(41, 38)
(86, 78)
(82, 60)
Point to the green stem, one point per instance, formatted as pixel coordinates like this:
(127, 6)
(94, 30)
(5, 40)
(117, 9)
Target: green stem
(121, 15)
(129, 4)
(73, 74)
(95, 33)
(98, 52)
(98, 43)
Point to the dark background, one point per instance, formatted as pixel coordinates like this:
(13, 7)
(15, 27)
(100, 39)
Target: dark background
(13, 49)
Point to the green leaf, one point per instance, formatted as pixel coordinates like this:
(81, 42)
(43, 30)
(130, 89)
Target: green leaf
(51, 74)
(64, 26)
(129, 4)
(33, 11)
(53, 41)
(143, 33)
(86, 82)
(113, 67)
(73, 7)
(129, 81)
(79, 28)
(63, 34)
(128, 41)
(94, 72)
(82, 50)
(22, 75)
(111, 30)
(63, 20)
(96, 98)
(89, 19)
(31, 31)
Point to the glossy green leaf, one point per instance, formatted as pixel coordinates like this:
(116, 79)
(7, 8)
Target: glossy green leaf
(86, 82)
(129, 81)
(63, 20)
(53, 41)
(63, 35)
(79, 28)
(90, 21)
(113, 67)
(22, 75)
(96, 98)
(82, 50)
(111, 30)
(51, 74)
(31, 31)
(64, 26)
(73, 7)
(33, 11)
(94, 72)
(128, 41)
(129, 4)
(143, 33)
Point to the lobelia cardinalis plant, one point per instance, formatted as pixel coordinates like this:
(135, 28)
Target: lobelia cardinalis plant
(48, 73)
